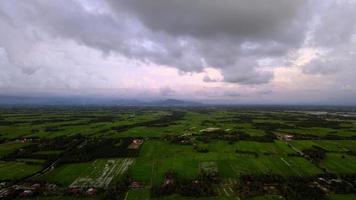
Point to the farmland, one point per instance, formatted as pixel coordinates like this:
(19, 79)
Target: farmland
(93, 174)
(213, 153)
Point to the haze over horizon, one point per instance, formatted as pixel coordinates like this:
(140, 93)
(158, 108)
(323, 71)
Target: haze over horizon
(226, 52)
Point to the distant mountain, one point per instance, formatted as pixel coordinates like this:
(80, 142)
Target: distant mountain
(87, 101)
(177, 103)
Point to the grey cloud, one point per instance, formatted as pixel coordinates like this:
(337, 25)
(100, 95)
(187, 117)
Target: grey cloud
(333, 34)
(321, 67)
(335, 23)
(247, 77)
(247, 71)
(218, 31)
(210, 18)
(166, 91)
(188, 35)
(209, 79)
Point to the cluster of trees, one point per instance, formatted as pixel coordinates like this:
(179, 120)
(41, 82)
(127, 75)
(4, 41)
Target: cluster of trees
(339, 184)
(250, 185)
(230, 136)
(316, 154)
(347, 185)
(76, 149)
(4, 122)
(271, 126)
(202, 186)
(62, 143)
(236, 119)
(292, 188)
(247, 152)
(166, 120)
(297, 188)
(105, 118)
(208, 123)
(74, 124)
(328, 136)
(53, 128)
(234, 136)
(49, 120)
(315, 121)
(100, 148)
(351, 152)
(117, 189)
(179, 139)
(200, 149)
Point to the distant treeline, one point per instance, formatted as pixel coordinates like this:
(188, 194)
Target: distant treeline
(295, 188)
(161, 122)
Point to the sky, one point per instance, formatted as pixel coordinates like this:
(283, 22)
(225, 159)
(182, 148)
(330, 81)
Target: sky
(226, 51)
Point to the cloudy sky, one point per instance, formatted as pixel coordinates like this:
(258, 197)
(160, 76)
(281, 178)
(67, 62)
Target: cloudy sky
(226, 51)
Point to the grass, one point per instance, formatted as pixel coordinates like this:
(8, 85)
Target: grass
(138, 194)
(31, 161)
(267, 197)
(329, 145)
(10, 147)
(57, 198)
(158, 157)
(98, 173)
(277, 147)
(48, 153)
(340, 163)
(342, 197)
(65, 174)
(16, 170)
(285, 166)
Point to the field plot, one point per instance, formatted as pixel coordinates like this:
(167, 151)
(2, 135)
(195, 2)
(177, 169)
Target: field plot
(276, 147)
(158, 157)
(16, 170)
(101, 176)
(47, 153)
(225, 188)
(98, 173)
(342, 197)
(138, 194)
(267, 197)
(339, 163)
(210, 167)
(243, 150)
(322, 131)
(328, 145)
(285, 166)
(145, 195)
(10, 147)
(58, 198)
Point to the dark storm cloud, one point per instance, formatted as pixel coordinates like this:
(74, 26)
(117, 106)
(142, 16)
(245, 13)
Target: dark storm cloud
(221, 33)
(210, 18)
(186, 34)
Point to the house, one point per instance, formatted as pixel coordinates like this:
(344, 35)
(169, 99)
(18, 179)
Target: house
(137, 141)
(135, 144)
(286, 137)
(8, 193)
(210, 130)
(75, 190)
(27, 193)
(135, 184)
(91, 191)
(51, 187)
